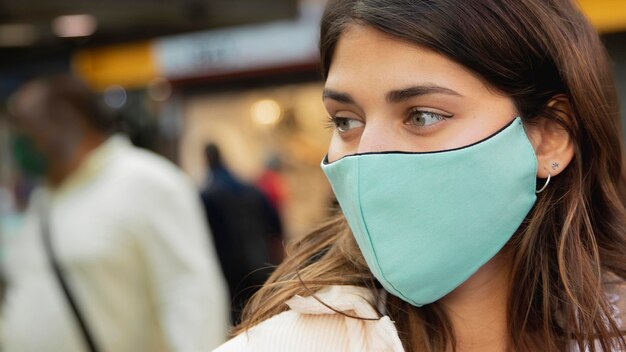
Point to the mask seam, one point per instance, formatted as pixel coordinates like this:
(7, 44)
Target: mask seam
(532, 149)
(369, 239)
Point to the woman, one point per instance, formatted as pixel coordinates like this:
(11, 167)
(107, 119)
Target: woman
(477, 162)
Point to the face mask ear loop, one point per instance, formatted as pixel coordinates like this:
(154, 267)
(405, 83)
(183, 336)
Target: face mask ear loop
(545, 185)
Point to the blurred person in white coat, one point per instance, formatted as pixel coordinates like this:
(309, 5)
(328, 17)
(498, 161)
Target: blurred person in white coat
(125, 230)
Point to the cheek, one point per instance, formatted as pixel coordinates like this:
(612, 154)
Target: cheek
(338, 148)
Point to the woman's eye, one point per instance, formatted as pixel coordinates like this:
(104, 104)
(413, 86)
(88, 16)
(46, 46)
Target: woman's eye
(424, 118)
(344, 124)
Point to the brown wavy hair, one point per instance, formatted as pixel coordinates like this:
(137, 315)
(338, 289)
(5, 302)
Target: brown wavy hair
(532, 51)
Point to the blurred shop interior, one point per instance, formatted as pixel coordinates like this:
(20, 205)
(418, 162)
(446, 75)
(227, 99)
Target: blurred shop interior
(242, 74)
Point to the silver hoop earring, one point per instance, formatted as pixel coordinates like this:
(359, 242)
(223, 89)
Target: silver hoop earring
(545, 185)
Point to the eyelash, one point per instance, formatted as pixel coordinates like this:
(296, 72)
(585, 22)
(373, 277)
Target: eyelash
(333, 121)
(417, 111)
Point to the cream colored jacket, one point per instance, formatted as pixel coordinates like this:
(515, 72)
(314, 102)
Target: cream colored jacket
(310, 326)
(130, 234)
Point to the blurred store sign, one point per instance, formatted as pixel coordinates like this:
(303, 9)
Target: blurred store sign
(606, 15)
(129, 65)
(37, 37)
(242, 49)
(205, 54)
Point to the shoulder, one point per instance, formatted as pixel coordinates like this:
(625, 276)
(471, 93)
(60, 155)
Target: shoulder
(292, 331)
(144, 161)
(310, 325)
(143, 169)
(615, 290)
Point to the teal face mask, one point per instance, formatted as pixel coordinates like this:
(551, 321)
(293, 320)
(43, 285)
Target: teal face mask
(28, 157)
(425, 222)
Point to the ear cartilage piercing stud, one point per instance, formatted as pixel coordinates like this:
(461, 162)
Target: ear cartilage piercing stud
(555, 166)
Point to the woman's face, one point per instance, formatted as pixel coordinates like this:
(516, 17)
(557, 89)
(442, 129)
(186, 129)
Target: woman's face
(384, 94)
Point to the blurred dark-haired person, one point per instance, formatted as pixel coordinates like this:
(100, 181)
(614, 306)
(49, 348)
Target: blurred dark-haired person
(244, 226)
(114, 251)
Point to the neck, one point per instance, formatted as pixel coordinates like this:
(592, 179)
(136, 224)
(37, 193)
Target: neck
(478, 308)
(71, 156)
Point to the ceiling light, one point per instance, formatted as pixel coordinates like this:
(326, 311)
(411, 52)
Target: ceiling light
(19, 34)
(266, 112)
(159, 89)
(74, 26)
(115, 96)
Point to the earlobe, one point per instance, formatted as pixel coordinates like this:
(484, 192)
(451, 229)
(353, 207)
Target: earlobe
(553, 144)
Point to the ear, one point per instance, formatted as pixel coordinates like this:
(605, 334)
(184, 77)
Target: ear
(553, 144)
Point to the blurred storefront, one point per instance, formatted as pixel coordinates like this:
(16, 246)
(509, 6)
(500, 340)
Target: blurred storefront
(255, 91)
(272, 110)
(252, 89)
(254, 126)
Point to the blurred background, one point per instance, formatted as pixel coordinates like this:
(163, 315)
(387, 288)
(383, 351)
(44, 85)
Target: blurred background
(179, 74)
(242, 74)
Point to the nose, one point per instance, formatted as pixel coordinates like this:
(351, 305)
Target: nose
(378, 136)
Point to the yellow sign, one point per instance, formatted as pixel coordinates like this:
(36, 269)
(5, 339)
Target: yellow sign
(606, 15)
(128, 65)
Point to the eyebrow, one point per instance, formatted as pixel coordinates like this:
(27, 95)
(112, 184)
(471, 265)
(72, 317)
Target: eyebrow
(394, 96)
(337, 96)
(398, 96)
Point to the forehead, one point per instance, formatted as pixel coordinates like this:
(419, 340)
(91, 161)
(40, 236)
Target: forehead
(28, 98)
(27, 107)
(366, 56)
